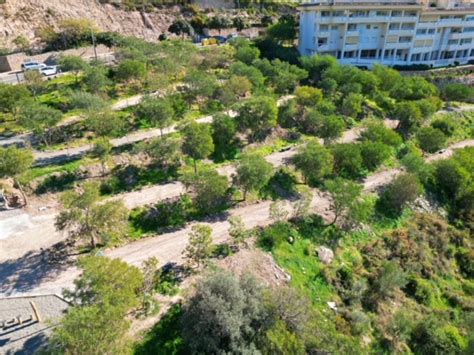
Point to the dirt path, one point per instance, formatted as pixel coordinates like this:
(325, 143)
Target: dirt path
(25, 138)
(28, 275)
(54, 157)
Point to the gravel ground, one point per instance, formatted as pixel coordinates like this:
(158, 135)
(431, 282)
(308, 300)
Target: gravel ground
(27, 337)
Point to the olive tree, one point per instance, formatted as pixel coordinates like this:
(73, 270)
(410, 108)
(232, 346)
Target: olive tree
(197, 142)
(103, 295)
(200, 247)
(224, 315)
(314, 161)
(13, 163)
(253, 172)
(86, 218)
(41, 120)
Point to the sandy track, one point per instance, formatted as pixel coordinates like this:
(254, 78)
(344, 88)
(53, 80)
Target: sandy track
(54, 157)
(22, 139)
(59, 156)
(20, 278)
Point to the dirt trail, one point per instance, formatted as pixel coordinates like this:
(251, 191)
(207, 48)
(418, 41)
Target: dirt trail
(23, 139)
(168, 247)
(58, 156)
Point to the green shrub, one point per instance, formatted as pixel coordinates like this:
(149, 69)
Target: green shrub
(420, 289)
(430, 139)
(374, 154)
(445, 125)
(465, 259)
(276, 234)
(431, 337)
(165, 214)
(458, 92)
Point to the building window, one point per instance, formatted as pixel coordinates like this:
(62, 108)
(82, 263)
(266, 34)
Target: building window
(421, 31)
(322, 41)
(396, 13)
(368, 53)
(382, 13)
(350, 54)
(334, 27)
(469, 18)
(405, 39)
(325, 13)
(411, 13)
(468, 29)
(394, 27)
(408, 26)
(338, 13)
(323, 28)
(456, 30)
(431, 31)
(466, 41)
(453, 42)
(359, 14)
(352, 27)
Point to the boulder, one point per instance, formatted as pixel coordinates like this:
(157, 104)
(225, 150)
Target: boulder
(325, 255)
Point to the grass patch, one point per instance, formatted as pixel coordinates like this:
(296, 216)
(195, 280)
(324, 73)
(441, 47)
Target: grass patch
(37, 172)
(164, 338)
(305, 270)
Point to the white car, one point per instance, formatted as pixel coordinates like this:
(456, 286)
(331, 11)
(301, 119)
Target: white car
(32, 66)
(49, 70)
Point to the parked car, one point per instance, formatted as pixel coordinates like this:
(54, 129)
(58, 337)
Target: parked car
(49, 70)
(32, 66)
(220, 39)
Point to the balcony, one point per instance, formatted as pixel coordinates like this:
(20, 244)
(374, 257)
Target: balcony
(448, 22)
(361, 2)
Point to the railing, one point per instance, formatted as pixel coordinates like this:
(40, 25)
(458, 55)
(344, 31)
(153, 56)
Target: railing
(361, 2)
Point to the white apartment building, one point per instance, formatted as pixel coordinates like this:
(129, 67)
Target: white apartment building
(390, 32)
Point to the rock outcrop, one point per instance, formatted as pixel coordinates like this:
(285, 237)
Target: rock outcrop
(26, 17)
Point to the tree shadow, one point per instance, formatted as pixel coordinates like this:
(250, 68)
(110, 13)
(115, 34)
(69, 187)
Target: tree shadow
(33, 268)
(31, 345)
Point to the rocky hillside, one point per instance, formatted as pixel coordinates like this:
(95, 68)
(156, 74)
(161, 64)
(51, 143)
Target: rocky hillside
(26, 17)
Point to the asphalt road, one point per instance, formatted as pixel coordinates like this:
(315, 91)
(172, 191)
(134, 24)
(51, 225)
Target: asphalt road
(16, 77)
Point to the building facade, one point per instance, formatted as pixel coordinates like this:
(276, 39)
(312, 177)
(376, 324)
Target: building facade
(390, 32)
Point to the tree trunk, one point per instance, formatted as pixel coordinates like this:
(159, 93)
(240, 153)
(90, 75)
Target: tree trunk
(22, 192)
(336, 216)
(245, 194)
(93, 243)
(195, 166)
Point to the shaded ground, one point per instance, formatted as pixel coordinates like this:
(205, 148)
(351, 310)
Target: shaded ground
(38, 315)
(166, 247)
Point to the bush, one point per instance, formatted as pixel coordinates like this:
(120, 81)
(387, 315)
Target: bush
(276, 234)
(348, 160)
(421, 290)
(445, 125)
(430, 139)
(431, 337)
(458, 92)
(168, 213)
(465, 259)
(377, 132)
(403, 190)
(374, 154)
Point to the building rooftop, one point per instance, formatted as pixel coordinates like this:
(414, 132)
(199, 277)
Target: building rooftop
(419, 3)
